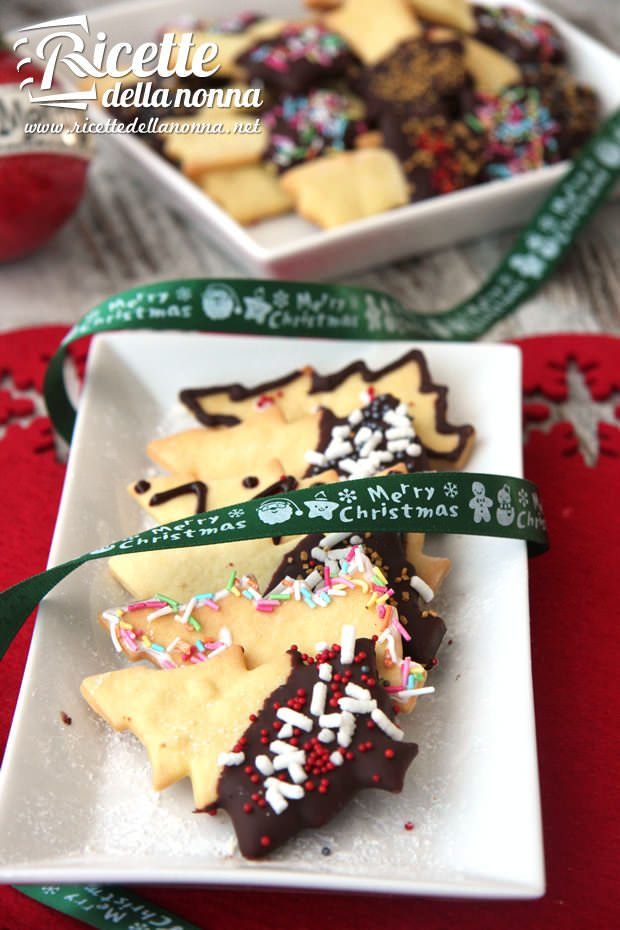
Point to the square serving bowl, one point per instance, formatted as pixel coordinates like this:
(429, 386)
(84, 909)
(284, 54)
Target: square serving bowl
(76, 803)
(291, 247)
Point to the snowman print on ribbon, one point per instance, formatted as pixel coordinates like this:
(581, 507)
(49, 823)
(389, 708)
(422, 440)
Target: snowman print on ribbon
(505, 512)
(480, 503)
(321, 507)
(277, 511)
(219, 302)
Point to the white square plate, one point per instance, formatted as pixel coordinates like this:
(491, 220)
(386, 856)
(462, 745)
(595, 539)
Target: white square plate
(76, 803)
(289, 246)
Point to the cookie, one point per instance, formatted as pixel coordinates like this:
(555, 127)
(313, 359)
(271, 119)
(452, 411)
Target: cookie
(574, 107)
(215, 138)
(302, 391)
(457, 14)
(301, 56)
(354, 743)
(249, 193)
(522, 134)
(438, 156)
(304, 127)
(524, 38)
(374, 29)
(232, 732)
(343, 188)
(188, 716)
(423, 76)
(491, 71)
(183, 572)
(232, 42)
(309, 610)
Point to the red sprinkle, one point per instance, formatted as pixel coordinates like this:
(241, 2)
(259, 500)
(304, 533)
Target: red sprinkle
(247, 807)
(265, 841)
(408, 825)
(389, 753)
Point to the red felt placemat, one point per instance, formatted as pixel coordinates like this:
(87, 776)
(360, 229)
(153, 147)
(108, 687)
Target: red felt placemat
(574, 606)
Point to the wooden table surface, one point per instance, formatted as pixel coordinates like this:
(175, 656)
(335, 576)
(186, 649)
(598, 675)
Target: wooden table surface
(124, 234)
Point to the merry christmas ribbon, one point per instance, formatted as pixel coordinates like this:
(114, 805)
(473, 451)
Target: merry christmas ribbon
(334, 311)
(424, 502)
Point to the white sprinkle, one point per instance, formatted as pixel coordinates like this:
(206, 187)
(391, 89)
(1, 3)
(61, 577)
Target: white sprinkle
(348, 722)
(288, 715)
(284, 759)
(319, 696)
(297, 589)
(362, 435)
(230, 758)
(371, 444)
(221, 594)
(332, 539)
(354, 706)
(315, 458)
(332, 721)
(355, 417)
(275, 800)
(340, 432)
(188, 610)
(225, 636)
(170, 646)
(285, 732)
(384, 723)
(113, 622)
(401, 410)
(318, 554)
(294, 792)
(156, 614)
(336, 758)
(337, 449)
(344, 738)
(414, 449)
(320, 647)
(424, 590)
(325, 670)
(217, 652)
(415, 692)
(355, 691)
(313, 579)
(326, 736)
(347, 637)
(264, 765)
(355, 540)
(397, 445)
(279, 746)
(297, 773)
(399, 432)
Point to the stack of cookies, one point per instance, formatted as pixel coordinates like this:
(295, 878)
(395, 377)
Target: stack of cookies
(282, 663)
(368, 106)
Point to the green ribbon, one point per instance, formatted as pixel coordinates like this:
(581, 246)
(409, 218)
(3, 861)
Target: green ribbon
(106, 907)
(333, 311)
(426, 502)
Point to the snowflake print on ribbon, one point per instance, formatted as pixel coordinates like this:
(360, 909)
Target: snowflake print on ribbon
(523, 497)
(347, 496)
(139, 925)
(280, 300)
(183, 293)
(50, 889)
(235, 512)
(450, 489)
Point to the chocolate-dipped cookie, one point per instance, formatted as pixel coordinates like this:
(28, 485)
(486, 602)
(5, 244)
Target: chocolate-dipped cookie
(524, 38)
(438, 155)
(343, 737)
(301, 56)
(302, 127)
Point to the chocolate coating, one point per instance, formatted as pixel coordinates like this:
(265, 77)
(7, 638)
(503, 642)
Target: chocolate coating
(259, 829)
(199, 488)
(526, 39)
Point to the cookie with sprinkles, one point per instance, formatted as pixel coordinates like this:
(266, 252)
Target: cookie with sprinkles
(573, 105)
(302, 55)
(377, 435)
(343, 738)
(522, 133)
(524, 38)
(306, 126)
(394, 557)
(421, 76)
(438, 156)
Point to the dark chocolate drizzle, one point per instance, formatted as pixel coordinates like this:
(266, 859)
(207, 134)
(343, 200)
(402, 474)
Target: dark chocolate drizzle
(191, 397)
(141, 487)
(250, 481)
(198, 488)
(387, 551)
(259, 829)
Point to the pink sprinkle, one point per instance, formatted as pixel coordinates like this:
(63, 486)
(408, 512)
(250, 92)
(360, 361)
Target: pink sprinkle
(381, 610)
(140, 604)
(405, 671)
(351, 553)
(209, 603)
(265, 606)
(195, 660)
(215, 645)
(380, 588)
(392, 689)
(327, 577)
(166, 663)
(128, 641)
(398, 626)
(344, 581)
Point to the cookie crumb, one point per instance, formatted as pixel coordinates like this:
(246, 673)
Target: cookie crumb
(65, 718)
